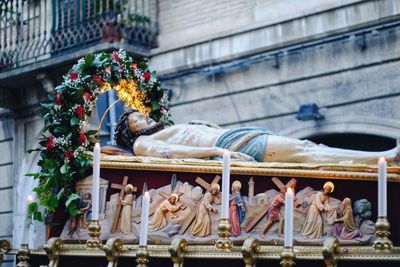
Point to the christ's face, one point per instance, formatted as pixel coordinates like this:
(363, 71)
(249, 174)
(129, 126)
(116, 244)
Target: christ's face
(172, 200)
(138, 121)
(327, 189)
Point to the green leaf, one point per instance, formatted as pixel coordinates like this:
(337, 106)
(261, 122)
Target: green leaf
(62, 130)
(47, 106)
(91, 132)
(74, 210)
(88, 60)
(75, 121)
(155, 105)
(32, 207)
(51, 202)
(60, 194)
(38, 216)
(64, 169)
(71, 198)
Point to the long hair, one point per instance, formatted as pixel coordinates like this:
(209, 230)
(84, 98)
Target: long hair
(124, 137)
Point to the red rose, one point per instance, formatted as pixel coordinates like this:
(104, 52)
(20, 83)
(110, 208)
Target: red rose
(82, 138)
(134, 66)
(73, 75)
(98, 80)
(115, 56)
(58, 99)
(50, 142)
(88, 96)
(69, 155)
(146, 76)
(79, 112)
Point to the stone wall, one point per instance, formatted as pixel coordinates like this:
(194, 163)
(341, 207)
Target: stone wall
(6, 181)
(343, 56)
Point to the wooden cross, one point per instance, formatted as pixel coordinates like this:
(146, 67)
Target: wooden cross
(193, 213)
(119, 206)
(252, 223)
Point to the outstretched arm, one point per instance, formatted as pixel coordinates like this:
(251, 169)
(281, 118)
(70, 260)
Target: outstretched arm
(149, 146)
(146, 146)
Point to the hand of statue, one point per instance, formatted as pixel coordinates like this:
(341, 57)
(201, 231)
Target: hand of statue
(236, 155)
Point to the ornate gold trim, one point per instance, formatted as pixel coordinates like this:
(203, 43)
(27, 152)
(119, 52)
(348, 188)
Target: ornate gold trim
(330, 251)
(177, 248)
(112, 249)
(251, 246)
(382, 232)
(142, 256)
(52, 249)
(4, 247)
(257, 171)
(224, 232)
(367, 253)
(94, 233)
(287, 257)
(23, 256)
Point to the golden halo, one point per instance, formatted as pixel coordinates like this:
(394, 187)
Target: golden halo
(215, 186)
(174, 195)
(237, 184)
(331, 185)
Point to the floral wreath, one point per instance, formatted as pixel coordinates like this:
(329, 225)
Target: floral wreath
(66, 137)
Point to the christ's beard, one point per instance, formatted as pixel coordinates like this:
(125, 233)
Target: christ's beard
(149, 130)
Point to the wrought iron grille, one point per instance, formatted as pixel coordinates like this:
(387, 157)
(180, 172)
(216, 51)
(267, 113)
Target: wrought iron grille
(35, 30)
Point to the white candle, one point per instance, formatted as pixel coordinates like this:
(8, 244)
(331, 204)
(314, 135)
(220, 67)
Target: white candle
(225, 185)
(25, 237)
(289, 218)
(382, 184)
(144, 219)
(96, 182)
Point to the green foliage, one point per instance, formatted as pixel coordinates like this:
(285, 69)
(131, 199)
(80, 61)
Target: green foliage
(65, 137)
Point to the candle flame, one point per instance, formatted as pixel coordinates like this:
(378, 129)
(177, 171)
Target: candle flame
(146, 194)
(97, 145)
(289, 190)
(29, 199)
(382, 160)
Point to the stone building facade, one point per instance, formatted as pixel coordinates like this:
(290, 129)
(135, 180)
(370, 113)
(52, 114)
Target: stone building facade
(240, 63)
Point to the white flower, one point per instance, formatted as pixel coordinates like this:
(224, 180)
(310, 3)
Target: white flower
(83, 126)
(62, 141)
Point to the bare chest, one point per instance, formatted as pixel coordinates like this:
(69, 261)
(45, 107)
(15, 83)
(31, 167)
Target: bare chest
(189, 137)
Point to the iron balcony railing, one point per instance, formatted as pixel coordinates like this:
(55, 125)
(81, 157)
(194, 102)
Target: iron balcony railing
(35, 30)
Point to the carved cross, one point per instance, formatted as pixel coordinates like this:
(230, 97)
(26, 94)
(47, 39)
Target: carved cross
(193, 213)
(119, 206)
(252, 223)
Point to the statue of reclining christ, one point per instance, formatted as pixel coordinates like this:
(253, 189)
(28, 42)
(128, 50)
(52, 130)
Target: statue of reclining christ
(203, 140)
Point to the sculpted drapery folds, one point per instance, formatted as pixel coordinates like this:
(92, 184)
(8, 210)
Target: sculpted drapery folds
(237, 209)
(202, 223)
(159, 220)
(318, 212)
(345, 228)
(126, 214)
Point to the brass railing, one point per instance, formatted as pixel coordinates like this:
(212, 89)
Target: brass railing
(35, 30)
